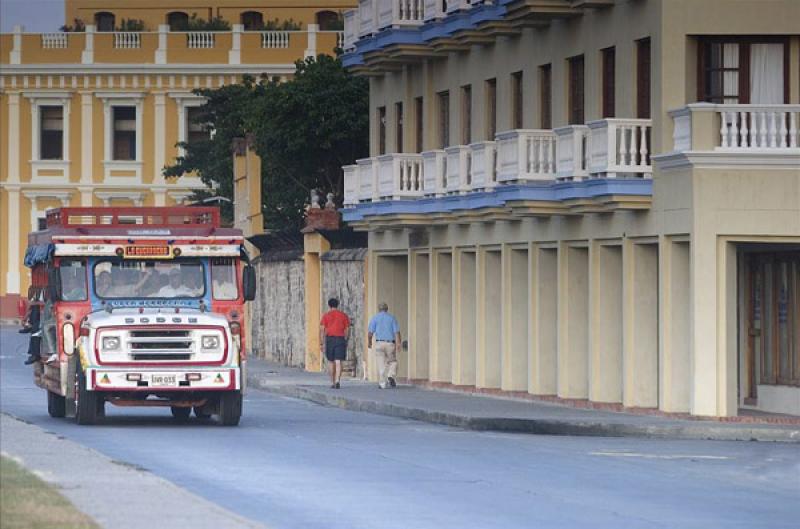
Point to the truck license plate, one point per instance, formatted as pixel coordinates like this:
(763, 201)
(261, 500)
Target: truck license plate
(164, 380)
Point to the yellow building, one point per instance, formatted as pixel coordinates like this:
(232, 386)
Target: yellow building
(91, 117)
(594, 200)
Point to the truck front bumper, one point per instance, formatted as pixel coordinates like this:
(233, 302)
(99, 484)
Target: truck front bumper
(221, 378)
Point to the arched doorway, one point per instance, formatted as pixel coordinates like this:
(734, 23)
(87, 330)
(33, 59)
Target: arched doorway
(329, 21)
(252, 20)
(178, 21)
(104, 21)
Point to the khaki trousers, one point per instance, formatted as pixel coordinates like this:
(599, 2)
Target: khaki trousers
(386, 360)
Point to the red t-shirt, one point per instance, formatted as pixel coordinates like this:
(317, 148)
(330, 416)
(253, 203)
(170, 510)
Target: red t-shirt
(335, 322)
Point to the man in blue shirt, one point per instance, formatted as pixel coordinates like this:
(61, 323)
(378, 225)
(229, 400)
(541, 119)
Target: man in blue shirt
(384, 331)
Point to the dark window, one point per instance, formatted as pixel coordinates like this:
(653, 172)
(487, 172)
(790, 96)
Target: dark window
(609, 72)
(546, 96)
(576, 91)
(104, 21)
(41, 223)
(51, 133)
(178, 21)
(196, 130)
(643, 79)
(466, 115)
(252, 20)
(398, 131)
(516, 100)
(444, 119)
(491, 108)
(382, 130)
(419, 115)
(124, 133)
(329, 21)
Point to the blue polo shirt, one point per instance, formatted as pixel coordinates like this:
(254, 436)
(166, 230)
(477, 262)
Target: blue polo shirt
(384, 326)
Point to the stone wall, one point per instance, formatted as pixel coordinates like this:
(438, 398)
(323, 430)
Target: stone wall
(278, 312)
(343, 278)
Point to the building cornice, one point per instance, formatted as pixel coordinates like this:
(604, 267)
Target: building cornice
(139, 69)
(722, 159)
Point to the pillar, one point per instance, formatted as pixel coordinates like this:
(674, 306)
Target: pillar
(87, 139)
(464, 313)
(442, 317)
(544, 321)
(314, 245)
(573, 321)
(674, 361)
(419, 315)
(605, 323)
(515, 319)
(489, 355)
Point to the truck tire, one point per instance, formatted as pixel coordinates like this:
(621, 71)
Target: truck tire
(230, 408)
(180, 414)
(56, 405)
(86, 406)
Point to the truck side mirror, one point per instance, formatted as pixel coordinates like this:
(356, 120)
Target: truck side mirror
(54, 284)
(249, 283)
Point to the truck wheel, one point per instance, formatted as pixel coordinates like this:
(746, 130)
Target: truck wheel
(201, 413)
(230, 408)
(86, 405)
(180, 414)
(56, 405)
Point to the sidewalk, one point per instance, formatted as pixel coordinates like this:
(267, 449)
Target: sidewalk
(479, 412)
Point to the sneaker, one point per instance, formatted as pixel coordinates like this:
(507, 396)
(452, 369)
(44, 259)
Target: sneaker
(392, 382)
(25, 330)
(52, 358)
(31, 360)
(382, 385)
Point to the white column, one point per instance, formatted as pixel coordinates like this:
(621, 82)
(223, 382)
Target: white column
(139, 131)
(34, 210)
(13, 137)
(159, 136)
(87, 103)
(13, 261)
(235, 53)
(311, 50)
(86, 196)
(161, 51)
(87, 57)
(108, 131)
(35, 124)
(16, 50)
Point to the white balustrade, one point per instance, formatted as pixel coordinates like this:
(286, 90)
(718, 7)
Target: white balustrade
(526, 154)
(340, 39)
(482, 168)
(127, 40)
(367, 179)
(274, 39)
(572, 149)
(400, 176)
(458, 174)
(620, 147)
(434, 170)
(747, 127)
(399, 13)
(200, 39)
(350, 185)
(433, 9)
(350, 29)
(51, 41)
(367, 17)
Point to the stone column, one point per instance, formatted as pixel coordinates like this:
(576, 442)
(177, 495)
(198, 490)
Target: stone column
(15, 57)
(87, 56)
(235, 53)
(13, 241)
(311, 50)
(161, 51)
(87, 139)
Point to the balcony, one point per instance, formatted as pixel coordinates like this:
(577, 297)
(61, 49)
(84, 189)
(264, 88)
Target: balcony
(166, 47)
(604, 164)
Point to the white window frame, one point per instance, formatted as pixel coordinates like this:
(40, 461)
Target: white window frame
(42, 170)
(34, 196)
(108, 196)
(133, 168)
(184, 100)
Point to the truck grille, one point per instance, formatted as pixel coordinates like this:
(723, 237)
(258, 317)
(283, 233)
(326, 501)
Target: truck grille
(160, 345)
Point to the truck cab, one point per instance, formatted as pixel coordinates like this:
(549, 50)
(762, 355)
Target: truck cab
(141, 307)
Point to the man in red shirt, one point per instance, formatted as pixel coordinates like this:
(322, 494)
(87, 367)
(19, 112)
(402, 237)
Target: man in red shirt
(333, 330)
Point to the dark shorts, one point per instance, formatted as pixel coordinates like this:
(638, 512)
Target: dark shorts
(335, 348)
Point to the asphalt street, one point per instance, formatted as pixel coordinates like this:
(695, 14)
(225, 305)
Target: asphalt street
(294, 464)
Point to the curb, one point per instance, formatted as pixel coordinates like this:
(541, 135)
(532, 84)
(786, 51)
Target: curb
(586, 428)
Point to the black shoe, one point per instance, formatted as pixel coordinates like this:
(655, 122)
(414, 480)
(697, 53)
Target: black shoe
(337, 386)
(333, 386)
(31, 360)
(25, 330)
(392, 382)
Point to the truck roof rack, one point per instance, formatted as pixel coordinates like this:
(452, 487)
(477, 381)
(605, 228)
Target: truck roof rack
(155, 217)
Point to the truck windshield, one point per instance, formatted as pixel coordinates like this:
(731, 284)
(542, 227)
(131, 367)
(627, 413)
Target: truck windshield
(149, 279)
(73, 280)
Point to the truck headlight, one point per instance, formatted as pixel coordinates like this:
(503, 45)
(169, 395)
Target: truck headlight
(111, 343)
(210, 342)
(68, 333)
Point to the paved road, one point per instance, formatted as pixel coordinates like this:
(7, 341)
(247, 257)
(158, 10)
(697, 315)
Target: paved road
(293, 464)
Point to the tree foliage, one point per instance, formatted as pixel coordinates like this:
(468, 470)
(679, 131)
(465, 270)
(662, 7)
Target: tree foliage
(305, 130)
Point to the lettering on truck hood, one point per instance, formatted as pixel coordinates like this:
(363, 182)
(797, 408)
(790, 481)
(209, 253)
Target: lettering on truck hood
(154, 316)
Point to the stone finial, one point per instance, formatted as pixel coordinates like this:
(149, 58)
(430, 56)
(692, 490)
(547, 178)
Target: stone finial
(314, 199)
(329, 203)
